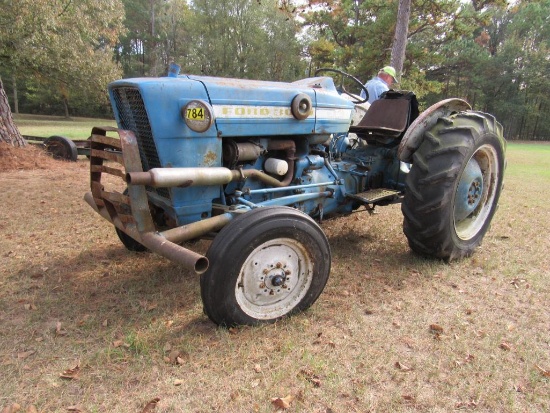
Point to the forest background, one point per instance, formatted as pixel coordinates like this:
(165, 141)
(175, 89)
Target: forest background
(57, 56)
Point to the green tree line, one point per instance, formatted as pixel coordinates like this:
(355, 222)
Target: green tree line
(56, 56)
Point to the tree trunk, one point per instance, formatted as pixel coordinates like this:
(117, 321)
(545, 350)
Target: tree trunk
(15, 96)
(66, 108)
(8, 131)
(400, 38)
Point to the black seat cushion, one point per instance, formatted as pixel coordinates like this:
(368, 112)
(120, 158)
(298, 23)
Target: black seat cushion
(389, 116)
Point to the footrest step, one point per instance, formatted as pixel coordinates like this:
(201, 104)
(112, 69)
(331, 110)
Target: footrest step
(373, 195)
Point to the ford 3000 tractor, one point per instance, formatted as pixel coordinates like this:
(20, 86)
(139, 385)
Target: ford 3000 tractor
(251, 165)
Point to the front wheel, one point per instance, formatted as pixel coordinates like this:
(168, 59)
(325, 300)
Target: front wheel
(265, 264)
(454, 185)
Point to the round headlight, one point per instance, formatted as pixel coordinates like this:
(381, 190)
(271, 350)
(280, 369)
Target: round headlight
(198, 115)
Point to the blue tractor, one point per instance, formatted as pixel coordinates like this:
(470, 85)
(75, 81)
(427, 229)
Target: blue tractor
(252, 164)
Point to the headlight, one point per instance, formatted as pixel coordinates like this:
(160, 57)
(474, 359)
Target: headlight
(198, 115)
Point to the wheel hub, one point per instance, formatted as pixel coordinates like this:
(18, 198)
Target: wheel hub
(469, 191)
(274, 278)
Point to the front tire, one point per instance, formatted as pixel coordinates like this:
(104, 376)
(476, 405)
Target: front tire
(266, 264)
(130, 243)
(454, 185)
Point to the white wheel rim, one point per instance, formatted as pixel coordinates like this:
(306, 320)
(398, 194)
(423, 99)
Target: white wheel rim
(470, 226)
(274, 279)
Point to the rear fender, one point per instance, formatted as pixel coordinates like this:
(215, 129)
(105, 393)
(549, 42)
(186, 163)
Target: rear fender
(415, 133)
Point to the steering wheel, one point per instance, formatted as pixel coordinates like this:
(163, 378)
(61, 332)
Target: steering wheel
(341, 88)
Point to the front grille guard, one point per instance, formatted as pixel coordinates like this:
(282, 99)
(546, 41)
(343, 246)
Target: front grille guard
(130, 212)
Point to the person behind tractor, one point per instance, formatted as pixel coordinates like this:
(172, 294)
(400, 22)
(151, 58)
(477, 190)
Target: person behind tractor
(380, 83)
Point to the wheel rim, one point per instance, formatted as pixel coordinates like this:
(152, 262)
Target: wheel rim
(476, 192)
(274, 278)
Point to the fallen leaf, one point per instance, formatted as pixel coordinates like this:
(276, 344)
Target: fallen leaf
(402, 367)
(468, 359)
(118, 343)
(149, 407)
(178, 382)
(71, 374)
(408, 398)
(23, 355)
(436, 329)
(58, 330)
(311, 377)
(505, 346)
(545, 373)
(105, 323)
(315, 381)
(148, 306)
(282, 403)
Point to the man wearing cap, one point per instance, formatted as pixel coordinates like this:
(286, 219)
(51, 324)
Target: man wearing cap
(379, 84)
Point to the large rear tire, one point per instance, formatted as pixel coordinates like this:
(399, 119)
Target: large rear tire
(454, 185)
(265, 264)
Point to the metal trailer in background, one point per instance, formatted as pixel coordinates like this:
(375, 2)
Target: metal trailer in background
(61, 147)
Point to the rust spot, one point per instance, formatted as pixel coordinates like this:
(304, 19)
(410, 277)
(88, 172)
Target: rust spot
(210, 158)
(185, 184)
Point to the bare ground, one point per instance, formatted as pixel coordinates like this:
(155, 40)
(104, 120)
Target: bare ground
(88, 326)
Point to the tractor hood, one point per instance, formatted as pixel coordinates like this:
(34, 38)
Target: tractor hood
(240, 107)
(180, 121)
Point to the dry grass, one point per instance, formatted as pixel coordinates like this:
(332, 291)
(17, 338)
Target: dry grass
(71, 295)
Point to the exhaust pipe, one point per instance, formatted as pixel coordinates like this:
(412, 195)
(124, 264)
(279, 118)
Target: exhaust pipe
(182, 177)
(155, 242)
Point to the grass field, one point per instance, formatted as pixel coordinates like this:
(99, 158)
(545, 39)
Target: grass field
(88, 326)
(46, 126)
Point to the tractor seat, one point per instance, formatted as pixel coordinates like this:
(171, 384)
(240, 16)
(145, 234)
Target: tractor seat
(388, 117)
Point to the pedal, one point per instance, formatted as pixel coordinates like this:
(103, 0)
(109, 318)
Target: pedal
(373, 195)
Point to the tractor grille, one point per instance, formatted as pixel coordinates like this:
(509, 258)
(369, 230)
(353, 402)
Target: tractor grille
(133, 116)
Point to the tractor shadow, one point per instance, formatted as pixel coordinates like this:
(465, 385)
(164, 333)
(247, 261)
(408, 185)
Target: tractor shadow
(110, 291)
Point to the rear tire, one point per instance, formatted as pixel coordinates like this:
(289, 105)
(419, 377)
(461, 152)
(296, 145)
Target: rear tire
(453, 187)
(266, 264)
